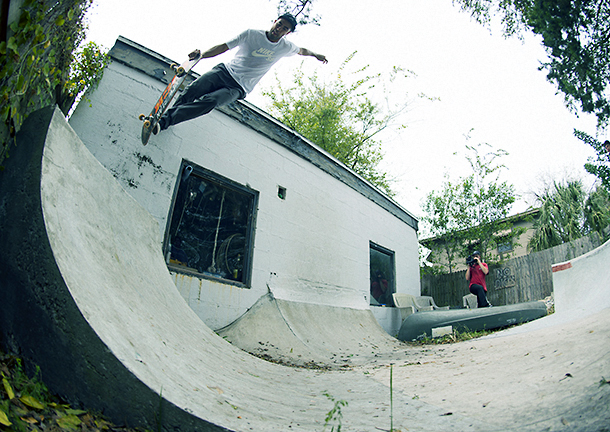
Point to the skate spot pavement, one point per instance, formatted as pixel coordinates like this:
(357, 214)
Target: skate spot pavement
(112, 331)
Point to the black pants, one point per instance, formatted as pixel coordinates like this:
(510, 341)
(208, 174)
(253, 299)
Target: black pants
(479, 291)
(212, 89)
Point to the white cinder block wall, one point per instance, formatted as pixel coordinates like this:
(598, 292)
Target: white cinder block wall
(313, 246)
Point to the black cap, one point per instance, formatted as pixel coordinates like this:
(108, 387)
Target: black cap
(292, 20)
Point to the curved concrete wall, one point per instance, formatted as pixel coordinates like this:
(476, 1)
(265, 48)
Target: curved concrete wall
(582, 286)
(86, 295)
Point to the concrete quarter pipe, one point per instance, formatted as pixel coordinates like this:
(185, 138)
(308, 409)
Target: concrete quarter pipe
(87, 296)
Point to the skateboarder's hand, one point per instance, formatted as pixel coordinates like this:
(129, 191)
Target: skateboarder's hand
(321, 58)
(195, 55)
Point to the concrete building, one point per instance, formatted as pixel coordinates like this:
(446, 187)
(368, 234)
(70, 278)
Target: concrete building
(247, 206)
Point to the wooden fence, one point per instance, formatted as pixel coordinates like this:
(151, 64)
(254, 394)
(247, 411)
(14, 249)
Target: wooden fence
(521, 279)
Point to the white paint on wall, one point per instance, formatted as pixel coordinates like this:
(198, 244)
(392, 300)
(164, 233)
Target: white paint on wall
(312, 246)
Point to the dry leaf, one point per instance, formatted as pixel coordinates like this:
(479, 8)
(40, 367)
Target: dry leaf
(4, 419)
(75, 412)
(30, 420)
(31, 401)
(8, 389)
(218, 389)
(69, 422)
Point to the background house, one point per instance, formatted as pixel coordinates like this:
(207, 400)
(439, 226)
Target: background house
(515, 274)
(245, 205)
(504, 251)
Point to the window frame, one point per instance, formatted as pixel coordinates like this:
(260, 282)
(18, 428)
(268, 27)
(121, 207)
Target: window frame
(188, 169)
(506, 247)
(392, 278)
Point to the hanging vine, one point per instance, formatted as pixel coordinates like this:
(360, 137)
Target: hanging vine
(38, 64)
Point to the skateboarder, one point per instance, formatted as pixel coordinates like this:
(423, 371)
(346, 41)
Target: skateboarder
(258, 51)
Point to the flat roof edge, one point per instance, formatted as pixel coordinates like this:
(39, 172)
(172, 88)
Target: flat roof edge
(142, 59)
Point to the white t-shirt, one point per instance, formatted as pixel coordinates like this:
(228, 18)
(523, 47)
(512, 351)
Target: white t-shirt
(256, 56)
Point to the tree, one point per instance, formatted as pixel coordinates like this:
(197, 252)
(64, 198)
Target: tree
(85, 72)
(575, 35)
(600, 165)
(37, 65)
(597, 212)
(446, 219)
(339, 116)
(300, 9)
(470, 213)
(568, 213)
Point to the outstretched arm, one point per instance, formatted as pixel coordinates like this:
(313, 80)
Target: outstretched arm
(306, 52)
(212, 52)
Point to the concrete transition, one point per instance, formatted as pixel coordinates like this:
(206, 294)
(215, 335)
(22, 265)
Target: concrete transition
(86, 295)
(310, 335)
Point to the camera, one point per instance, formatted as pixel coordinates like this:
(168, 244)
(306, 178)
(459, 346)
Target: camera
(470, 260)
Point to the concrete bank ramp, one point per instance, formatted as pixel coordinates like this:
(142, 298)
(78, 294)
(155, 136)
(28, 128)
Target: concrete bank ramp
(86, 295)
(582, 285)
(309, 335)
(581, 288)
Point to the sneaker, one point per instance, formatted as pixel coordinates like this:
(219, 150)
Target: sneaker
(156, 129)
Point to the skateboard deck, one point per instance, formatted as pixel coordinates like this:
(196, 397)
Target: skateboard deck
(150, 121)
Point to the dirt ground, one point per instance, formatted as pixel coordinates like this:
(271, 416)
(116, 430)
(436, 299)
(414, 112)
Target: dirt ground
(538, 380)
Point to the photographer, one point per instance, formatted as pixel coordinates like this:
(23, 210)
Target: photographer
(475, 275)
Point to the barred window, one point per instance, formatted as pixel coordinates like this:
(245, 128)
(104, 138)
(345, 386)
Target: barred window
(211, 226)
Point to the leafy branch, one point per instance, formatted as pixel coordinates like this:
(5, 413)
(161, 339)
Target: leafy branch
(300, 9)
(38, 66)
(576, 37)
(470, 212)
(335, 415)
(340, 117)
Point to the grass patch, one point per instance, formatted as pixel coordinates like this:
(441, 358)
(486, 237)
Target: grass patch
(334, 417)
(453, 337)
(461, 336)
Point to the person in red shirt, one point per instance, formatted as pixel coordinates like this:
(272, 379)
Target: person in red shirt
(380, 291)
(475, 275)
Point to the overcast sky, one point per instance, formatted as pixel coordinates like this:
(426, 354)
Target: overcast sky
(486, 83)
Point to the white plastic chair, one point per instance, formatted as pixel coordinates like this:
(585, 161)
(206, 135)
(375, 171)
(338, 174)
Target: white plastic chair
(426, 303)
(404, 303)
(470, 301)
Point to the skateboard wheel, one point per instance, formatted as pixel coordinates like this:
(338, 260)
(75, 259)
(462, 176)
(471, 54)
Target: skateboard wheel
(173, 66)
(142, 117)
(180, 71)
(146, 123)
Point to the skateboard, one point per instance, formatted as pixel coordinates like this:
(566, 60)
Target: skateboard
(181, 72)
